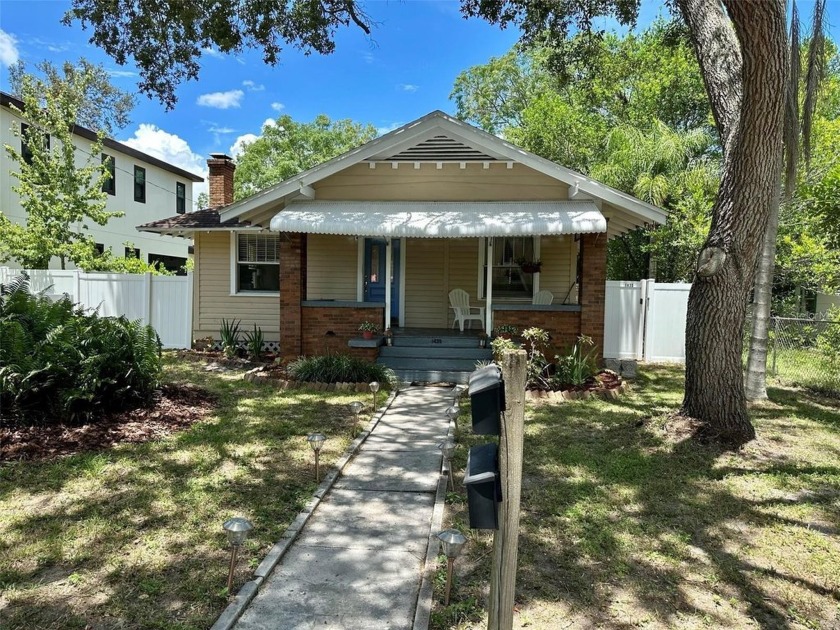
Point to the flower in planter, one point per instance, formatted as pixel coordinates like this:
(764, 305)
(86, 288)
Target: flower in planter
(368, 327)
(506, 330)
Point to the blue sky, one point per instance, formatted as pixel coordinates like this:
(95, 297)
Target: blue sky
(404, 70)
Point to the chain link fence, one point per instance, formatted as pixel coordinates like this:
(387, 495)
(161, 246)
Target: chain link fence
(806, 352)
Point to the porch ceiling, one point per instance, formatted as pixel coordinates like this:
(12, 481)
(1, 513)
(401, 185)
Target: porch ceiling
(440, 219)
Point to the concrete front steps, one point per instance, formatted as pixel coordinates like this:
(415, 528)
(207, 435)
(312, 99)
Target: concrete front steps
(433, 356)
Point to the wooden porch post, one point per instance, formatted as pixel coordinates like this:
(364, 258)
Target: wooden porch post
(389, 254)
(488, 294)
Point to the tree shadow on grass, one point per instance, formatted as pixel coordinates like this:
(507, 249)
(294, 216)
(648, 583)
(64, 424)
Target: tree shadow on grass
(622, 525)
(132, 537)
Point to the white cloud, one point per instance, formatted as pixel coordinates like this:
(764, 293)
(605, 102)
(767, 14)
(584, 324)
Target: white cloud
(368, 57)
(238, 145)
(253, 87)
(278, 107)
(381, 131)
(170, 148)
(212, 52)
(9, 54)
(222, 130)
(221, 100)
(408, 87)
(269, 122)
(121, 74)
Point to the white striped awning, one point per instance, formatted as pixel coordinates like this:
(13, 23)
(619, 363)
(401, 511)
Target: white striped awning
(440, 219)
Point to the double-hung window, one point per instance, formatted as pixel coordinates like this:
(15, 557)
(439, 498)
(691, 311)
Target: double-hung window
(257, 263)
(109, 185)
(508, 256)
(140, 184)
(180, 198)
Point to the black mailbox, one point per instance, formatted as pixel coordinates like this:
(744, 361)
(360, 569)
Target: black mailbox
(487, 399)
(484, 490)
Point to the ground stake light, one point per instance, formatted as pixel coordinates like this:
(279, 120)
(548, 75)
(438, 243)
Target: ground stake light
(316, 441)
(452, 541)
(448, 450)
(356, 407)
(374, 387)
(237, 529)
(452, 413)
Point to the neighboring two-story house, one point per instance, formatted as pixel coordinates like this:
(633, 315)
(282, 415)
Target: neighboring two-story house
(143, 187)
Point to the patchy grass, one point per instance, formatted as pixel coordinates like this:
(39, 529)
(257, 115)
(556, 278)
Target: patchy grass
(625, 523)
(131, 537)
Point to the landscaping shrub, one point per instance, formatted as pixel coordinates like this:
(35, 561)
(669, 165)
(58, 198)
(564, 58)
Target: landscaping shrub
(339, 368)
(60, 363)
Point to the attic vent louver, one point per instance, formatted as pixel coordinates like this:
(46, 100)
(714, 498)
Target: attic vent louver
(440, 149)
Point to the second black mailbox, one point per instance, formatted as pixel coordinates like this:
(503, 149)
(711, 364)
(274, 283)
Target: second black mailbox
(487, 399)
(484, 490)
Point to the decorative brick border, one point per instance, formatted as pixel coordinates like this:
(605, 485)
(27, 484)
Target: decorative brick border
(257, 375)
(605, 394)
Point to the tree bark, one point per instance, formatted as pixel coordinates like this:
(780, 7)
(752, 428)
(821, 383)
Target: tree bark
(752, 138)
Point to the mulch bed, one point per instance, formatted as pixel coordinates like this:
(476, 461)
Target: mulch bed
(174, 408)
(606, 384)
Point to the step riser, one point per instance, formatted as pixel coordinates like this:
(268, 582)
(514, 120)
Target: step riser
(432, 376)
(435, 342)
(445, 365)
(434, 353)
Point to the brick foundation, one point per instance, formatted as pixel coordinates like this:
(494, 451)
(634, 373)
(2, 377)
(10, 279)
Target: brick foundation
(563, 326)
(344, 323)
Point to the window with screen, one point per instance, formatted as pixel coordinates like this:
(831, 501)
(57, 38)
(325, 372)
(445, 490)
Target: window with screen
(508, 256)
(258, 262)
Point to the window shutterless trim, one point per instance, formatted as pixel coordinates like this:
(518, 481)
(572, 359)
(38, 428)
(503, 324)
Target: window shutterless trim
(139, 184)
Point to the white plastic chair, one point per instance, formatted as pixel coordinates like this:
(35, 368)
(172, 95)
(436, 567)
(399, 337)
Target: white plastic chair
(459, 301)
(543, 297)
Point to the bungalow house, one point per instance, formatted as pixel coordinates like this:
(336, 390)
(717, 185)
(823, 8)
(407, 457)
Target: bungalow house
(385, 232)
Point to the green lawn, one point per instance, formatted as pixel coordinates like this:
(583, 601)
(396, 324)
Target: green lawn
(131, 537)
(627, 524)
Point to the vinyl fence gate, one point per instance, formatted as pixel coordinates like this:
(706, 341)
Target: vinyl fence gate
(645, 320)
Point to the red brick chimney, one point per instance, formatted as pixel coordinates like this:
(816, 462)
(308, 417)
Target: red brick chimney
(221, 179)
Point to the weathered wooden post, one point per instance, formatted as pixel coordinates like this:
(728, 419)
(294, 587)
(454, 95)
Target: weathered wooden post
(506, 538)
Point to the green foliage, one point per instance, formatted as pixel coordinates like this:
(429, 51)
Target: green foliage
(506, 329)
(340, 368)
(107, 262)
(500, 345)
(229, 334)
(287, 147)
(254, 342)
(368, 327)
(60, 187)
(536, 341)
(58, 362)
(576, 367)
(828, 342)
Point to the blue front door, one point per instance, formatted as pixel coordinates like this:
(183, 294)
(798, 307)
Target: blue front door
(374, 281)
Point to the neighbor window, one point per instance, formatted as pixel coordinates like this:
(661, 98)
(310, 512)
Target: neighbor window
(180, 198)
(132, 252)
(508, 255)
(258, 262)
(140, 184)
(175, 264)
(110, 184)
(25, 148)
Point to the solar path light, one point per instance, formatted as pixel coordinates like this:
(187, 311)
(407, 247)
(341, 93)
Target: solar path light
(452, 413)
(452, 541)
(316, 441)
(356, 407)
(448, 450)
(237, 529)
(374, 387)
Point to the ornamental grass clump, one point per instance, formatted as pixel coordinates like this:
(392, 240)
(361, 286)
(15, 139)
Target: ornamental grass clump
(60, 363)
(339, 368)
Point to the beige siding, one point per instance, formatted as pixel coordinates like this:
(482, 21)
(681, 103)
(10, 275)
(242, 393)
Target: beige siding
(426, 301)
(214, 303)
(449, 183)
(463, 267)
(558, 255)
(331, 267)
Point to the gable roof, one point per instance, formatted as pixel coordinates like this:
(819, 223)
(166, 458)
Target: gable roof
(6, 100)
(200, 220)
(438, 137)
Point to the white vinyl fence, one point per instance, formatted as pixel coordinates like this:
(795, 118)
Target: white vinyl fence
(165, 302)
(645, 320)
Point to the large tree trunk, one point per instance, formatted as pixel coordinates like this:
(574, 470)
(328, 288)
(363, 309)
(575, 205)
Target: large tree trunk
(752, 138)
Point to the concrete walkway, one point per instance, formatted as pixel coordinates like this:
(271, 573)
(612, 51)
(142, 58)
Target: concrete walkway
(358, 562)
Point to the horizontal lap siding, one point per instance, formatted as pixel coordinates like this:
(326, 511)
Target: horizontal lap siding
(449, 183)
(463, 271)
(557, 254)
(426, 301)
(214, 301)
(331, 267)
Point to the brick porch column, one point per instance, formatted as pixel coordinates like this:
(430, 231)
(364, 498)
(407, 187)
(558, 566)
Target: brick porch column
(593, 289)
(291, 294)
